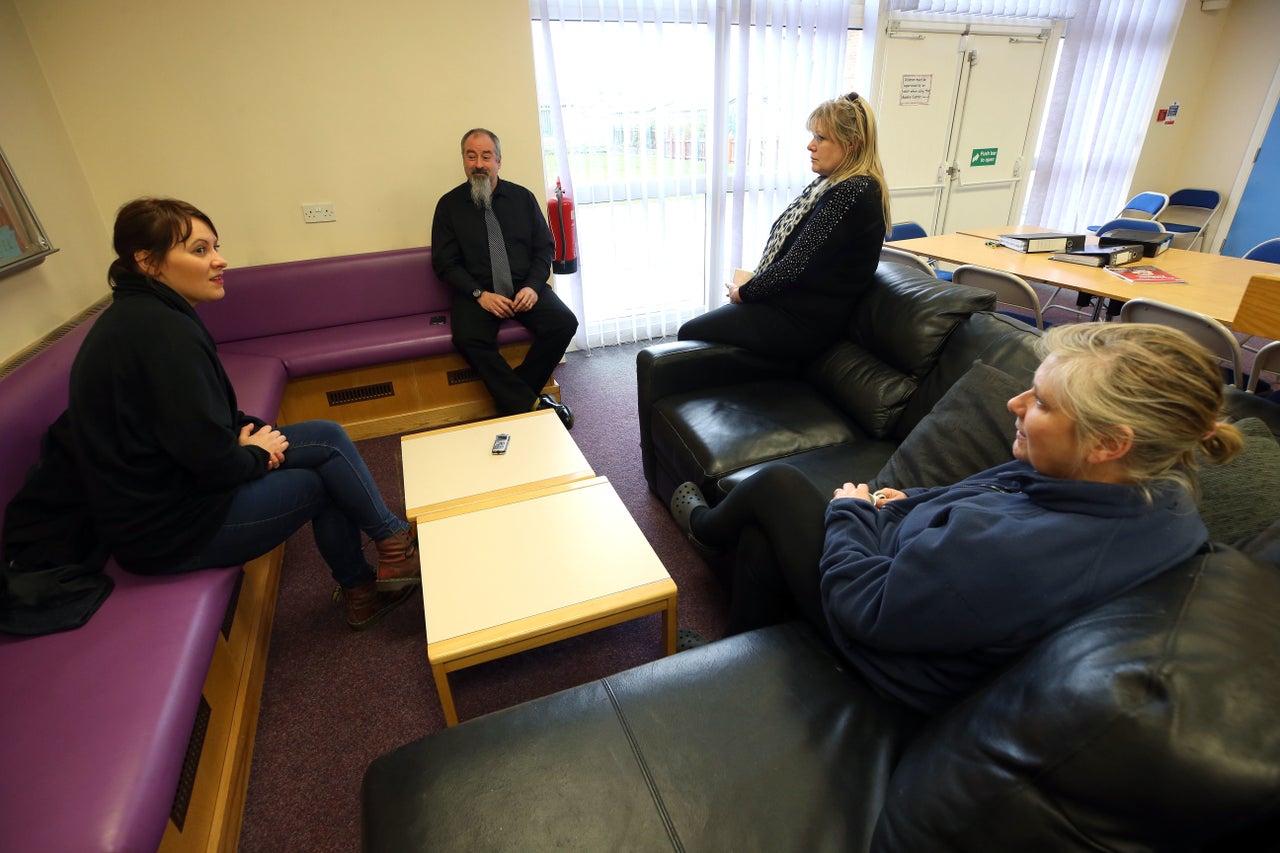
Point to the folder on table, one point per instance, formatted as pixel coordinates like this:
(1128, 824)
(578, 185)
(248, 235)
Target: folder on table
(1103, 256)
(1152, 242)
(1046, 241)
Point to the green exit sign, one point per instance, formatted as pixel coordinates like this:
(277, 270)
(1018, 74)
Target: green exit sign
(983, 157)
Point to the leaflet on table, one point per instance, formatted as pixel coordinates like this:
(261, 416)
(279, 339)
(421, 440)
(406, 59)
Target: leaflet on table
(1108, 256)
(1145, 275)
(1046, 241)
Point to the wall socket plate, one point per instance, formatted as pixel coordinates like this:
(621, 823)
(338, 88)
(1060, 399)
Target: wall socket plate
(319, 213)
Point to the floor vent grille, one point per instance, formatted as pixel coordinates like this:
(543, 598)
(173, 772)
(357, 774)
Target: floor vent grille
(190, 764)
(360, 394)
(465, 374)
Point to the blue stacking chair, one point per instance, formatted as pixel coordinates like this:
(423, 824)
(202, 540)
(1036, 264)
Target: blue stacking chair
(1146, 205)
(890, 255)
(1267, 250)
(1205, 330)
(1187, 215)
(909, 231)
(1009, 289)
(1113, 305)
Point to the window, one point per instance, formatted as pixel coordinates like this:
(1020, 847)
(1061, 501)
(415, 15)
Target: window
(22, 240)
(679, 127)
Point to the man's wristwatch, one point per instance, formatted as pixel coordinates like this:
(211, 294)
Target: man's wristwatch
(475, 294)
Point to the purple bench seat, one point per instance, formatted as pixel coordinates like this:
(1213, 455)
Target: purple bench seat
(95, 723)
(359, 345)
(326, 314)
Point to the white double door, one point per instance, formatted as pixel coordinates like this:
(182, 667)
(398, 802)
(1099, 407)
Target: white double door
(959, 113)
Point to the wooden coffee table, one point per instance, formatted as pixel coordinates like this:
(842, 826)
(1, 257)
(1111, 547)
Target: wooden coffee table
(518, 571)
(521, 549)
(454, 466)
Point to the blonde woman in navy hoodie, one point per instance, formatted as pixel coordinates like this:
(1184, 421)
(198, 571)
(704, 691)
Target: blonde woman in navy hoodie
(927, 591)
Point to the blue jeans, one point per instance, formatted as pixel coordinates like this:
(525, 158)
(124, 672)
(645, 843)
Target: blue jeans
(322, 480)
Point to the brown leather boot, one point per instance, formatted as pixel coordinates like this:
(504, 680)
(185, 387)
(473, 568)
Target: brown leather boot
(398, 560)
(365, 605)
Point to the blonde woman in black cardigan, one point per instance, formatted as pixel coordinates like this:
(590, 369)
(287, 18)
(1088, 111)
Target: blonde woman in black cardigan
(822, 250)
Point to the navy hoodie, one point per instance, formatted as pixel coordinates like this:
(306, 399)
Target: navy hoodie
(934, 592)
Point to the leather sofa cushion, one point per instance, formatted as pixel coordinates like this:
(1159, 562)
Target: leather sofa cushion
(760, 741)
(970, 430)
(996, 340)
(739, 425)
(1148, 723)
(896, 335)
(827, 468)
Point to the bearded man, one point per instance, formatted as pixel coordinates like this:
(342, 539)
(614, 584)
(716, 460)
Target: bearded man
(490, 242)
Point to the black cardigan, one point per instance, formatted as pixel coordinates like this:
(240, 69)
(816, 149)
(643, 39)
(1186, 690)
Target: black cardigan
(156, 429)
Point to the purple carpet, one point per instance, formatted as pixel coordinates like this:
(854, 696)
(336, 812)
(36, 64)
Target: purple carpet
(334, 699)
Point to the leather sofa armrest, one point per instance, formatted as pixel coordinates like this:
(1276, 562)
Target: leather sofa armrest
(679, 367)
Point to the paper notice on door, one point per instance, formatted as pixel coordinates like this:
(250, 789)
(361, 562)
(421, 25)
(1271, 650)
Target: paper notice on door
(916, 89)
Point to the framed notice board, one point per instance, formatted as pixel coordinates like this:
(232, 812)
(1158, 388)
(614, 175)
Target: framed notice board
(22, 240)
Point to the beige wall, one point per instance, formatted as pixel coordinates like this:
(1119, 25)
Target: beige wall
(36, 300)
(1220, 72)
(250, 110)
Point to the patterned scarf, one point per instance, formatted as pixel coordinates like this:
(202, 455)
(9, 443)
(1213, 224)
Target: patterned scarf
(790, 217)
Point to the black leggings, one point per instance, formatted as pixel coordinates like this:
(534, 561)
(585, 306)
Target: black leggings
(759, 327)
(776, 518)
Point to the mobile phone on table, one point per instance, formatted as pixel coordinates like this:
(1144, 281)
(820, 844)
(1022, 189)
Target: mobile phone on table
(500, 442)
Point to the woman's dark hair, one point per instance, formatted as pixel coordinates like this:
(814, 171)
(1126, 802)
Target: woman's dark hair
(151, 226)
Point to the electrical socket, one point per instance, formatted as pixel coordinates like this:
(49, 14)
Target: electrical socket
(319, 213)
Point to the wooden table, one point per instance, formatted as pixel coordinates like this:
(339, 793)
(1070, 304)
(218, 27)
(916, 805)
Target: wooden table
(515, 572)
(1215, 283)
(523, 548)
(454, 466)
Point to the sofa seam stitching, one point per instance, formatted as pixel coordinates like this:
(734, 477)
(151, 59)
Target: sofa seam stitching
(638, 754)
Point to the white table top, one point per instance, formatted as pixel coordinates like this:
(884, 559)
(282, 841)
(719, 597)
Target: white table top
(454, 465)
(546, 550)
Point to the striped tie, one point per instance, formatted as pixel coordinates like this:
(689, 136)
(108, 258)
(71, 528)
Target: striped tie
(498, 262)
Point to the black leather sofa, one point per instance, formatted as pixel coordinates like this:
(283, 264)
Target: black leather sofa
(1151, 723)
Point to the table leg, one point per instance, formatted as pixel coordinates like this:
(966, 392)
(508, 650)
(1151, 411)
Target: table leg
(669, 623)
(446, 695)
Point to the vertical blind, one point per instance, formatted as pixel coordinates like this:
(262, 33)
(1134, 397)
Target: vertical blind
(679, 128)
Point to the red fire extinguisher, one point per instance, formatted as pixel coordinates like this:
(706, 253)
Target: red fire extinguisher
(564, 230)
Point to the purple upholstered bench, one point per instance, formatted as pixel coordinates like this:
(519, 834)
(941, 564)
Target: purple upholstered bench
(133, 731)
(96, 723)
(371, 331)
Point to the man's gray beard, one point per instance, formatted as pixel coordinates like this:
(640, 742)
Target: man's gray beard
(481, 191)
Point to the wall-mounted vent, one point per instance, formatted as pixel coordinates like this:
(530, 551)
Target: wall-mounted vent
(190, 764)
(359, 394)
(465, 374)
(52, 338)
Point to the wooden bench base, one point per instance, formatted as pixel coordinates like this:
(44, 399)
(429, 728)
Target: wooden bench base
(211, 794)
(401, 396)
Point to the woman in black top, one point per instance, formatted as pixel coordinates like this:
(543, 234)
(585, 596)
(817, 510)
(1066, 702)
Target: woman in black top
(178, 478)
(821, 251)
